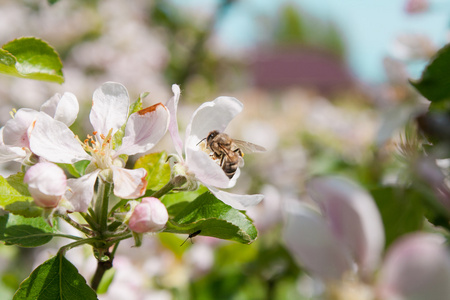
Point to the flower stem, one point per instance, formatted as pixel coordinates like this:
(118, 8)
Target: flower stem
(175, 182)
(80, 242)
(101, 205)
(80, 227)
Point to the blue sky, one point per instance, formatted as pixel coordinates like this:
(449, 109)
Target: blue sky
(368, 26)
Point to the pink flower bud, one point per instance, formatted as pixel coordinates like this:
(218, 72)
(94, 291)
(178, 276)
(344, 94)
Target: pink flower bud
(148, 216)
(46, 183)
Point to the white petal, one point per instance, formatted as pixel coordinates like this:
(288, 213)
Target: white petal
(109, 108)
(64, 109)
(172, 106)
(417, 266)
(240, 202)
(55, 142)
(214, 115)
(205, 169)
(16, 131)
(81, 191)
(11, 154)
(129, 184)
(313, 245)
(353, 216)
(8, 153)
(144, 129)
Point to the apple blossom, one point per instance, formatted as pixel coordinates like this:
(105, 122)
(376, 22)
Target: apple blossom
(148, 216)
(417, 266)
(55, 142)
(197, 165)
(46, 184)
(346, 236)
(14, 142)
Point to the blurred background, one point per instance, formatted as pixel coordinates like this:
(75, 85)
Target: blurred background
(320, 82)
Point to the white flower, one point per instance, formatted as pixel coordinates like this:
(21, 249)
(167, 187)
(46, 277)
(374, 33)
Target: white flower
(55, 142)
(14, 136)
(46, 184)
(345, 237)
(198, 165)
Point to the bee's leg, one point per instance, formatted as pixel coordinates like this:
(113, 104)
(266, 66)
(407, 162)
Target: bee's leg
(239, 151)
(222, 160)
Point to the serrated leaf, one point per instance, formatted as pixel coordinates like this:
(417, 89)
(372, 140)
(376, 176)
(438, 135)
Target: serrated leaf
(434, 83)
(158, 170)
(24, 232)
(402, 211)
(55, 279)
(176, 201)
(31, 58)
(212, 217)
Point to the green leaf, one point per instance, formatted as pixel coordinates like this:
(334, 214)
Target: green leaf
(176, 201)
(16, 181)
(158, 170)
(212, 217)
(57, 278)
(15, 198)
(31, 58)
(24, 232)
(435, 81)
(402, 211)
(77, 169)
(137, 105)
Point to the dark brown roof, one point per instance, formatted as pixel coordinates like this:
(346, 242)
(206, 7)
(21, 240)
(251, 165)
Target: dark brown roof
(304, 67)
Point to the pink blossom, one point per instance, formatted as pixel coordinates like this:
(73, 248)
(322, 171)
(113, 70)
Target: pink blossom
(46, 183)
(417, 266)
(148, 216)
(345, 234)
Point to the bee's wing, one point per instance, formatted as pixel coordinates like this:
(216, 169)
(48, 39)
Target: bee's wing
(241, 162)
(247, 147)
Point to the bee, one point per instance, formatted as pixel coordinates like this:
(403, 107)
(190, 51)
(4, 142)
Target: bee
(229, 151)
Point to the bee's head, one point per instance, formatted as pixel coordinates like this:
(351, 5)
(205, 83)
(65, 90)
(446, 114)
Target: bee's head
(211, 135)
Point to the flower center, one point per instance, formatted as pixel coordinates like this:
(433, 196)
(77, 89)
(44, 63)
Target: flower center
(101, 150)
(202, 146)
